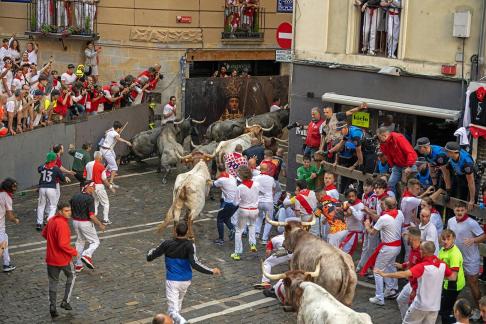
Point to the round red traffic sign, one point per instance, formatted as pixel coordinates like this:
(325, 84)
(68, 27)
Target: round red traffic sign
(284, 35)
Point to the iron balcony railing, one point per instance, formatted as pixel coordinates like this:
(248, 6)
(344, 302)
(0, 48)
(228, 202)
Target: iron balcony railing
(64, 17)
(243, 22)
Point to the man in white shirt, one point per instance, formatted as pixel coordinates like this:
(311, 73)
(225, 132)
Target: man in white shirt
(227, 183)
(3, 51)
(354, 221)
(275, 105)
(430, 274)
(265, 201)
(428, 232)
(112, 136)
(6, 77)
(169, 112)
(14, 107)
(390, 227)
(7, 189)
(276, 255)
(305, 201)
(68, 77)
(32, 50)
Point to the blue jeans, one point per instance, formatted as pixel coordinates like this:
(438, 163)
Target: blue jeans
(310, 151)
(224, 218)
(396, 176)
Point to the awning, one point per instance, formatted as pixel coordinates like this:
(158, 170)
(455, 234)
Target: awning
(393, 106)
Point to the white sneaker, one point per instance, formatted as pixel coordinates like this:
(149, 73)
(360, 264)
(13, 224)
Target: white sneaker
(372, 53)
(376, 301)
(476, 315)
(393, 57)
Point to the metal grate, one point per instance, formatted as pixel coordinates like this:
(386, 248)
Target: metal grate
(243, 22)
(65, 18)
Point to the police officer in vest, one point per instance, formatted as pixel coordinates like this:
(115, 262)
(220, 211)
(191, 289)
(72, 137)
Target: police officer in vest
(350, 154)
(437, 159)
(461, 165)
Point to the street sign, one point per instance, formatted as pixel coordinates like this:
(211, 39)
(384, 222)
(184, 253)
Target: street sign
(285, 6)
(283, 56)
(184, 19)
(284, 35)
(361, 119)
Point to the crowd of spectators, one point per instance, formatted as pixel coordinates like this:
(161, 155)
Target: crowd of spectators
(34, 95)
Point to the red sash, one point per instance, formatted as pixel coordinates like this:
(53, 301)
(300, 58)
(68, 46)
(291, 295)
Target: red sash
(371, 261)
(303, 202)
(351, 235)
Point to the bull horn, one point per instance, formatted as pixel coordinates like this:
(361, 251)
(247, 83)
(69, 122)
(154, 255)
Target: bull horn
(194, 146)
(246, 123)
(182, 157)
(281, 140)
(312, 222)
(273, 276)
(198, 121)
(274, 223)
(268, 129)
(177, 122)
(316, 272)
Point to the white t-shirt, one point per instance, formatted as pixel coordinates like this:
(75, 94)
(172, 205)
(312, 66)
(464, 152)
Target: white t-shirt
(247, 197)
(274, 108)
(167, 109)
(409, 207)
(277, 241)
(436, 219)
(68, 79)
(333, 193)
(228, 188)
(9, 78)
(110, 139)
(5, 205)
(3, 53)
(33, 57)
(17, 84)
(13, 105)
(267, 184)
(429, 233)
(464, 230)
(311, 200)
(429, 278)
(390, 228)
(355, 221)
(33, 77)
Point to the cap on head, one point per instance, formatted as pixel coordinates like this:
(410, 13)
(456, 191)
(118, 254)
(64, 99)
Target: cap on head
(51, 156)
(452, 147)
(38, 92)
(423, 141)
(340, 125)
(71, 66)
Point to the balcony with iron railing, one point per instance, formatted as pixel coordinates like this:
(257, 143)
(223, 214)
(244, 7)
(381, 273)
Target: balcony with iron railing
(244, 23)
(75, 19)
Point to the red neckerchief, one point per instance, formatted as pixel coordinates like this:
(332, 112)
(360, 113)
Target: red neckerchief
(432, 260)
(356, 202)
(8, 193)
(248, 183)
(304, 192)
(434, 211)
(480, 93)
(462, 219)
(170, 104)
(392, 212)
(382, 196)
(50, 165)
(330, 187)
(407, 194)
(223, 174)
(368, 195)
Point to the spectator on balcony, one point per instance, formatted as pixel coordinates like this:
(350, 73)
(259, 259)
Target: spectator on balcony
(13, 107)
(32, 51)
(112, 96)
(14, 51)
(393, 8)
(249, 13)
(3, 52)
(371, 11)
(91, 62)
(68, 77)
(6, 77)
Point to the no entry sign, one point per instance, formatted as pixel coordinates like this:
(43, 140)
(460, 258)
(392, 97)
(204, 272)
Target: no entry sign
(284, 35)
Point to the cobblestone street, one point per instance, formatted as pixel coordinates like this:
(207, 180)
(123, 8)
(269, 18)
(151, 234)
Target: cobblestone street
(124, 287)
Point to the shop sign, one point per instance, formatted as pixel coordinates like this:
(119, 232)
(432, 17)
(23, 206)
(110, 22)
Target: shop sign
(361, 119)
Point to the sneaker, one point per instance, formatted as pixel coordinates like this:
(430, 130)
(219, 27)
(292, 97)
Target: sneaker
(78, 268)
(263, 242)
(372, 53)
(235, 256)
(376, 301)
(253, 248)
(370, 276)
(38, 227)
(475, 315)
(9, 268)
(88, 261)
(392, 294)
(270, 293)
(263, 285)
(231, 235)
(66, 305)
(218, 242)
(106, 222)
(53, 311)
(393, 56)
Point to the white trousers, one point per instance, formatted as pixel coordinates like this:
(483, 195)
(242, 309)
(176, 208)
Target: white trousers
(393, 31)
(86, 233)
(319, 229)
(278, 192)
(336, 238)
(245, 217)
(369, 28)
(386, 262)
(415, 316)
(6, 255)
(403, 298)
(47, 203)
(101, 197)
(273, 261)
(175, 292)
(110, 158)
(263, 208)
(283, 214)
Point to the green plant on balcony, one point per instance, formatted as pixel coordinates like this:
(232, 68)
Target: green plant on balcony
(33, 22)
(87, 26)
(46, 29)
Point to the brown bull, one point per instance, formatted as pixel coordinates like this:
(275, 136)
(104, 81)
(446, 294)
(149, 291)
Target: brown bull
(337, 273)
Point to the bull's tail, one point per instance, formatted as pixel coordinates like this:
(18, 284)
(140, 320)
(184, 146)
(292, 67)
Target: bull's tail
(348, 286)
(174, 211)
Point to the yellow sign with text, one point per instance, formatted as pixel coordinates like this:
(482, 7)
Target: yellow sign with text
(361, 119)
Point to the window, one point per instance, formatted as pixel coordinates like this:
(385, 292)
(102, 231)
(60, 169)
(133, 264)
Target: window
(243, 19)
(380, 27)
(63, 18)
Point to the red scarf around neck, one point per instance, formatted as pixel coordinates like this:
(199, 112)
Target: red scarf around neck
(223, 174)
(382, 196)
(407, 194)
(8, 193)
(304, 192)
(463, 219)
(356, 202)
(392, 212)
(330, 187)
(248, 183)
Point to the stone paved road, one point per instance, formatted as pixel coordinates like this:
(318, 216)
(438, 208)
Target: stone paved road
(125, 288)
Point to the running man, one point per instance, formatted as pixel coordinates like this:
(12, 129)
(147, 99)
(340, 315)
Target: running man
(112, 136)
(7, 189)
(180, 257)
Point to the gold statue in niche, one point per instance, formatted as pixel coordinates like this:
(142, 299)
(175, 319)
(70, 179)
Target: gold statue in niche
(232, 94)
